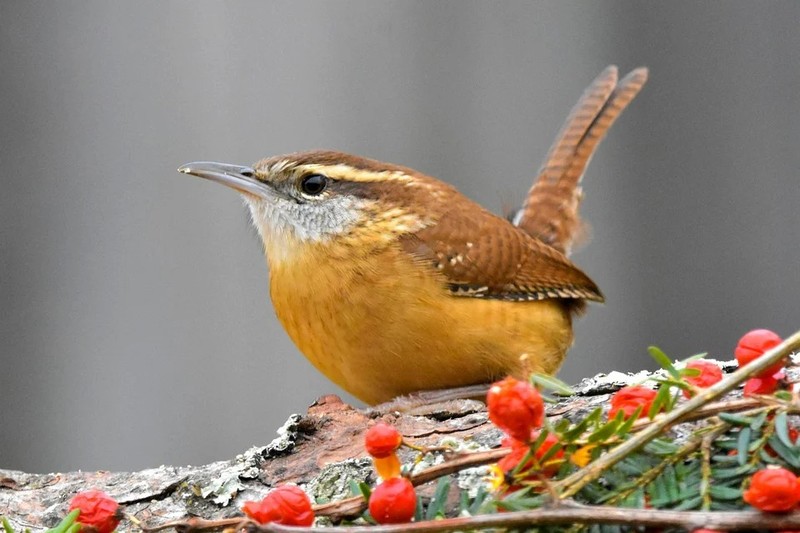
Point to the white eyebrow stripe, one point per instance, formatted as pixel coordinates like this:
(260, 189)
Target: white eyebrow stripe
(348, 173)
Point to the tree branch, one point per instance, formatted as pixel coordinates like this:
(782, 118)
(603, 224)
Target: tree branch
(323, 450)
(567, 512)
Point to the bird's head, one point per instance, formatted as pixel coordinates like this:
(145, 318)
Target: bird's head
(322, 198)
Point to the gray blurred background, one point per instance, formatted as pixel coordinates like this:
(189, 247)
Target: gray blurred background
(136, 327)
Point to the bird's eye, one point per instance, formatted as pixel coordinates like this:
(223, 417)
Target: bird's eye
(314, 184)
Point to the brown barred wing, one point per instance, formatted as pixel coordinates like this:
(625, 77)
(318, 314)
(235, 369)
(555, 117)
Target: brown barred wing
(481, 255)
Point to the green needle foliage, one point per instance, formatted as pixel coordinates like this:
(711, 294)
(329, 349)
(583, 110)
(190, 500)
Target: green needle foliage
(705, 464)
(67, 525)
(702, 464)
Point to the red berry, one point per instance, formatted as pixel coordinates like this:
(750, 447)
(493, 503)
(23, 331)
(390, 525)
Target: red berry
(263, 512)
(381, 440)
(98, 511)
(774, 490)
(393, 501)
(709, 374)
(761, 385)
(630, 398)
(287, 505)
(753, 345)
(515, 407)
(520, 449)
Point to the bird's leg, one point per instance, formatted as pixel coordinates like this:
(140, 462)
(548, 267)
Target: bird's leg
(436, 403)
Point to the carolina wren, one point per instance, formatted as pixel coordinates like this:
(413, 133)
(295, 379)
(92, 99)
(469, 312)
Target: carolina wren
(392, 282)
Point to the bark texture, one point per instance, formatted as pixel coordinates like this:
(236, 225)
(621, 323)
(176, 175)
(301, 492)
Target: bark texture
(322, 451)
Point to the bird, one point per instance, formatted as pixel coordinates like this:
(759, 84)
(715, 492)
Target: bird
(392, 282)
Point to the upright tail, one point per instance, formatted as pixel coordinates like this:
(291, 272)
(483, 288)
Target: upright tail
(550, 212)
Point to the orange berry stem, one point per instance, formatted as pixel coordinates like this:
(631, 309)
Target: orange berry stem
(387, 467)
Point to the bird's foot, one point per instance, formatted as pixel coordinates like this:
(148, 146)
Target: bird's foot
(440, 404)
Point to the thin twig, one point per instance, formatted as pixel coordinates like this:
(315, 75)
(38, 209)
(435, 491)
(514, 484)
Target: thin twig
(459, 463)
(569, 512)
(706, 411)
(650, 475)
(705, 472)
(725, 406)
(761, 443)
(196, 524)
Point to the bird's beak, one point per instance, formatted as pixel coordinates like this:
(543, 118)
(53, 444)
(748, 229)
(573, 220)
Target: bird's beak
(235, 176)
